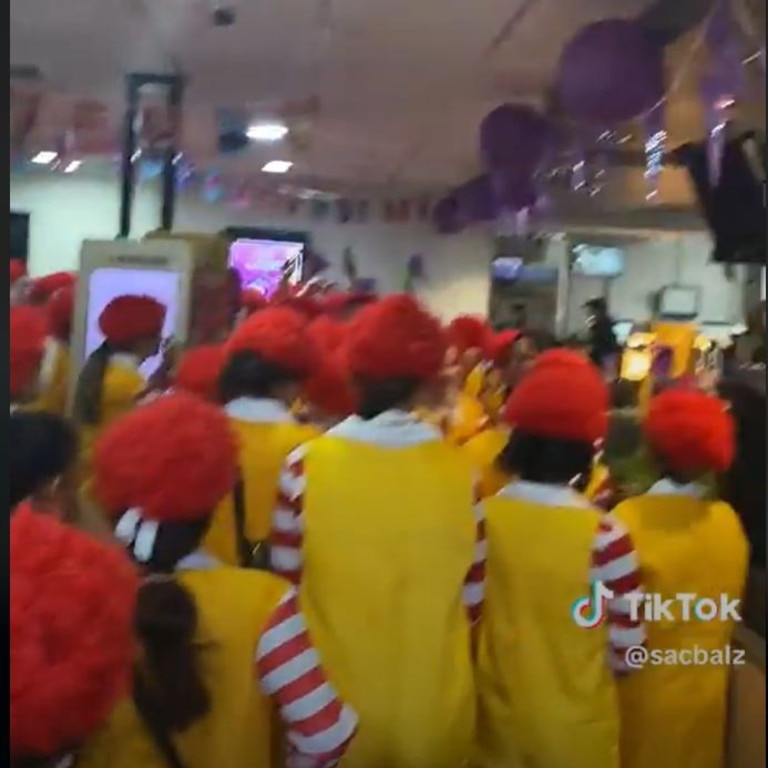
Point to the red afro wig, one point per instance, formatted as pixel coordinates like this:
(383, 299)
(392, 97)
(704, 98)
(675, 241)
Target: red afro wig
(44, 287)
(18, 269)
(174, 458)
(28, 330)
(329, 388)
(328, 333)
(560, 401)
(72, 603)
(130, 318)
(302, 305)
(468, 332)
(690, 431)
(252, 300)
(395, 338)
(500, 346)
(60, 309)
(199, 369)
(278, 335)
(559, 357)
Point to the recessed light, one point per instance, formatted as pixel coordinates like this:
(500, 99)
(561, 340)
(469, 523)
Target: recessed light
(267, 132)
(44, 158)
(277, 166)
(72, 166)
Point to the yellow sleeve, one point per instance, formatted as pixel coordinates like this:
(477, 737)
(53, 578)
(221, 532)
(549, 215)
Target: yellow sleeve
(122, 388)
(467, 419)
(482, 451)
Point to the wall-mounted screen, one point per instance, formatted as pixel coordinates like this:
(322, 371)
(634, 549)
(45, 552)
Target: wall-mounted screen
(594, 261)
(679, 302)
(262, 264)
(108, 283)
(510, 269)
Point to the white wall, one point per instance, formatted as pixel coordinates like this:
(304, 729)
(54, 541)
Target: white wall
(65, 210)
(68, 209)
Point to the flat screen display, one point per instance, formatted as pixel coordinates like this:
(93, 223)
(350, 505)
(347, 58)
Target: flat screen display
(593, 261)
(513, 269)
(261, 264)
(108, 283)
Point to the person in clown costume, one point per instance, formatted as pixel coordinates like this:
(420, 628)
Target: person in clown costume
(72, 644)
(546, 686)
(267, 359)
(55, 369)
(199, 370)
(223, 650)
(675, 715)
(468, 343)
(110, 383)
(27, 335)
(375, 524)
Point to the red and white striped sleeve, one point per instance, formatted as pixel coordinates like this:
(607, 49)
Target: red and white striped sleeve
(615, 564)
(319, 726)
(287, 534)
(474, 584)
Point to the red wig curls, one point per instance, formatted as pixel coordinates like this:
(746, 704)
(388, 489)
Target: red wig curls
(690, 431)
(468, 332)
(60, 309)
(560, 401)
(44, 287)
(174, 458)
(279, 335)
(252, 300)
(127, 319)
(199, 369)
(500, 346)
(329, 389)
(72, 603)
(395, 338)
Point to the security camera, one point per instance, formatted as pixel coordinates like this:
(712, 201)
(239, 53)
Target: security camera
(223, 16)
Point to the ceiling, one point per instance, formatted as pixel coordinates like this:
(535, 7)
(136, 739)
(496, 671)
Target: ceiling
(379, 95)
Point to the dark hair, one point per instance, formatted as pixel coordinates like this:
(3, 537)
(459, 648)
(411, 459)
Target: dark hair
(246, 374)
(541, 339)
(90, 384)
(546, 460)
(43, 447)
(598, 305)
(169, 687)
(375, 397)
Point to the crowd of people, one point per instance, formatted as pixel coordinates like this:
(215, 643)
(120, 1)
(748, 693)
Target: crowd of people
(349, 534)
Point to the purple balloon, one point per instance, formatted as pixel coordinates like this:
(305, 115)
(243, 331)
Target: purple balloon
(446, 216)
(514, 136)
(477, 200)
(610, 72)
(514, 191)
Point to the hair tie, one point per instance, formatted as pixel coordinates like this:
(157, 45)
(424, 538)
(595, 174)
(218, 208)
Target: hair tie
(137, 534)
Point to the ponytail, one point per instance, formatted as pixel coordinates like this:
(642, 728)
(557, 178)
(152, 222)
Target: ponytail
(90, 384)
(168, 685)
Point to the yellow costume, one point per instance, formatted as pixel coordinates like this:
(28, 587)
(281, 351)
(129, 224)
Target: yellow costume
(233, 608)
(401, 543)
(54, 379)
(122, 386)
(482, 450)
(547, 697)
(267, 434)
(674, 715)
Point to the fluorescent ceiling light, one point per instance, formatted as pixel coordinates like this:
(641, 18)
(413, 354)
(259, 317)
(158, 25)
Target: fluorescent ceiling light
(277, 166)
(44, 158)
(267, 132)
(72, 166)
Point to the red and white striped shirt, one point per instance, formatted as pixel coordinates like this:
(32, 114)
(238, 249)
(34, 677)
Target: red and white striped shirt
(319, 727)
(614, 564)
(392, 428)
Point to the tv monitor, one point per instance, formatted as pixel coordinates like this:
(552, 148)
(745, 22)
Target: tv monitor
(679, 302)
(594, 261)
(107, 283)
(262, 264)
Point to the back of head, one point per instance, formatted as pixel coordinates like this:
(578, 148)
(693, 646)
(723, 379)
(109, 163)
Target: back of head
(44, 448)
(72, 604)
(468, 332)
(163, 468)
(559, 412)
(267, 351)
(690, 433)
(393, 347)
